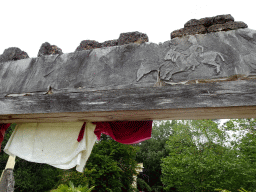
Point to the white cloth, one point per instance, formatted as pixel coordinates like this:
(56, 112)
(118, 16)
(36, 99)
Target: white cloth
(52, 143)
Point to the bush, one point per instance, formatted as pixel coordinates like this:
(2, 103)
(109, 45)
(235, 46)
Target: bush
(224, 190)
(143, 186)
(111, 166)
(72, 188)
(75, 177)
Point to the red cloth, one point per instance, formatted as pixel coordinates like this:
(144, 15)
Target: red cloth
(81, 133)
(3, 128)
(126, 132)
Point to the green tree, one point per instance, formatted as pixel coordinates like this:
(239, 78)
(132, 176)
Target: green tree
(111, 166)
(246, 148)
(152, 151)
(142, 185)
(199, 161)
(74, 176)
(72, 188)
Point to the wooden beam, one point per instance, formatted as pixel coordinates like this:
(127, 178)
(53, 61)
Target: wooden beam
(216, 100)
(195, 113)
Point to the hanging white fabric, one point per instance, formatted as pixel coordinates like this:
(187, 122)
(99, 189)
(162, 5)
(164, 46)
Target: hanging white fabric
(52, 143)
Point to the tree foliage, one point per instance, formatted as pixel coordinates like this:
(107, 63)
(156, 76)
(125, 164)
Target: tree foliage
(198, 160)
(142, 185)
(152, 151)
(111, 166)
(71, 188)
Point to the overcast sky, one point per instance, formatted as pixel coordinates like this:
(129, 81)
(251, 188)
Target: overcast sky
(29, 23)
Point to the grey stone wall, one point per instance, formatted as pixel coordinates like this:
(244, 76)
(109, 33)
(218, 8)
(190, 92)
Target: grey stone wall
(202, 56)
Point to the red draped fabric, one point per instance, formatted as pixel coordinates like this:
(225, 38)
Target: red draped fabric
(126, 132)
(3, 128)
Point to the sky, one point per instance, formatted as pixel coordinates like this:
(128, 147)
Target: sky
(27, 24)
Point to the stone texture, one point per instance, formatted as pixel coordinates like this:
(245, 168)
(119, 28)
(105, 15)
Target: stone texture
(207, 56)
(211, 24)
(192, 30)
(132, 37)
(226, 26)
(110, 43)
(7, 182)
(48, 49)
(192, 22)
(220, 19)
(13, 54)
(207, 21)
(88, 44)
(124, 38)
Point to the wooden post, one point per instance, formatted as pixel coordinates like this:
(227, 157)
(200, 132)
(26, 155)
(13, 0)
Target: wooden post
(7, 179)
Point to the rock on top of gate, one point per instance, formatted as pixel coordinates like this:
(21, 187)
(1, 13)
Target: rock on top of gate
(208, 25)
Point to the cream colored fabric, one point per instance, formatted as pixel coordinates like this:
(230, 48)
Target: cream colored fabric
(52, 143)
(10, 163)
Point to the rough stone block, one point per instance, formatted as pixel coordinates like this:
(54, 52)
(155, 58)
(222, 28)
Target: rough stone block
(220, 19)
(132, 37)
(110, 43)
(177, 33)
(207, 25)
(207, 21)
(88, 44)
(192, 22)
(13, 54)
(226, 26)
(48, 49)
(198, 29)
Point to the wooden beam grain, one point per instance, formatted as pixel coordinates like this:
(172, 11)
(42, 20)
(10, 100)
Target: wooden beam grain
(227, 99)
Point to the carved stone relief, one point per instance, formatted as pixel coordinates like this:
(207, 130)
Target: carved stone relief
(214, 55)
(192, 57)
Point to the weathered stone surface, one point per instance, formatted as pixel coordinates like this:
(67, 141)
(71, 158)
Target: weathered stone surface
(211, 55)
(192, 22)
(48, 49)
(207, 21)
(110, 43)
(192, 30)
(231, 25)
(208, 24)
(13, 54)
(220, 19)
(207, 56)
(7, 182)
(132, 37)
(88, 45)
